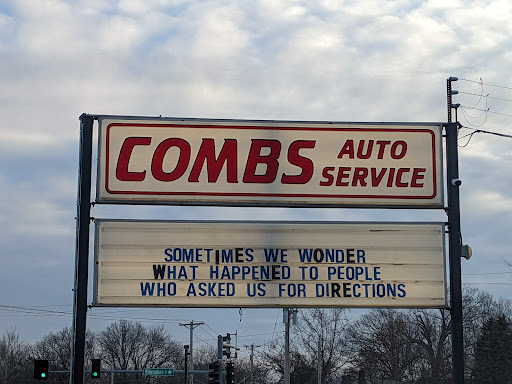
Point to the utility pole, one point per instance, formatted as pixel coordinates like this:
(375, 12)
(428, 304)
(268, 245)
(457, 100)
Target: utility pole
(252, 363)
(288, 314)
(251, 359)
(191, 327)
(454, 238)
(319, 359)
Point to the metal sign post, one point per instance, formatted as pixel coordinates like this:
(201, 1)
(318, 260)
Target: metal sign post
(455, 245)
(82, 251)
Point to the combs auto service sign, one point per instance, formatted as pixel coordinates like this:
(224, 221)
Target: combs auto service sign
(268, 163)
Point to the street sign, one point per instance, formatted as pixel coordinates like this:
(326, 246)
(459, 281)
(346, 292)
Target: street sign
(269, 264)
(269, 163)
(158, 372)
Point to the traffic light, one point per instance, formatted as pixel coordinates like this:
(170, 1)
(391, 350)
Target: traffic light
(95, 368)
(361, 377)
(230, 373)
(40, 369)
(214, 373)
(226, 345)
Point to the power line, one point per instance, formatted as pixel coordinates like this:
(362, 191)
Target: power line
(274, 339)
(213, 330)
(202, 340)
(21, 309)
(34, 311)
(208, 333)
(489, 283)
(275, 324)
(482, 83)
(487, 132)
(467, 142)
(141, 319)
(260, 334)
(488, 110)
(486, 96)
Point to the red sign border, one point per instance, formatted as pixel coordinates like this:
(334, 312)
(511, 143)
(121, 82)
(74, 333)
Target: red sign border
(272, 128)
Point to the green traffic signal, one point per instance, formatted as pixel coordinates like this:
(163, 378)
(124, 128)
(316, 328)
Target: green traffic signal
(40, 369)
(95, 368)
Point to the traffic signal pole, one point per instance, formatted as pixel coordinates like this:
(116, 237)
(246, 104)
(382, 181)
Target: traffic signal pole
(220, 347)
(186, 364)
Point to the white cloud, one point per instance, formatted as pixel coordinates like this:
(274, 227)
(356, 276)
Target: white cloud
(283, 11)
(271, 59)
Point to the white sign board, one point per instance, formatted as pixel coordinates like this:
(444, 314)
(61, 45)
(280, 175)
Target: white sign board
(268, 163)
(269, 264)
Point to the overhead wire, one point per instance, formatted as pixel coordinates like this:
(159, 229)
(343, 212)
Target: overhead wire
(481, 95)
(213, 330)
(260, 334)
(487, 132)
(203, 341)
(487, 273)
(485, 111)
(467, 116)
(467, 142)
(488, 110)
(208, 333)
(275, 324)
(274, 339)
(36, 311)
(482, 83)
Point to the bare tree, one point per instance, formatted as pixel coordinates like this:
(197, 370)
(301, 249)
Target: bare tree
(302, 369)
(255, 372)
(56, 347)
(431, 332)
(272, 357)
(325, 327)
(130, 346)
(383, 347)
(120, 343)
(14, 358)
(158, 349)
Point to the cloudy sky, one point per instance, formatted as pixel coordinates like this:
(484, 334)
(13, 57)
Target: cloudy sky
(338, 60)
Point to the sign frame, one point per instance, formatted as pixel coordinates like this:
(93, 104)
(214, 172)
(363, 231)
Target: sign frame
(378, 227)
(255, 198)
